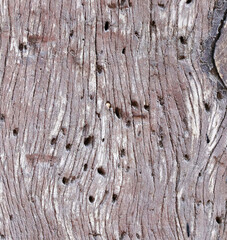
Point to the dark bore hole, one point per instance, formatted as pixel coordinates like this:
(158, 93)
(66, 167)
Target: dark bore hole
(134, 104)
(123, 2)
(153, 23)
(137, 34)
(2, 117)
(218, 220)
(207, 138)
(91, 199)
(71, 33)
(101, 171)
(11, 217)
(21, 47)
(65, 180)
(161, 5)
(138, 236)
(118, 112)
(85, 167)
(107, 26)
(188, 1)
(207, 107)
(188, 230)
(122, 153)
(99, 68)
(88, 141)
(53, 141)
(128, 123)
(219, 96)
(186, 157)
(103, 139)
(68, 147)
(15, 131)
(183, 40)
(114, 197)
(146, 107)
(123, 51)
(181, 57)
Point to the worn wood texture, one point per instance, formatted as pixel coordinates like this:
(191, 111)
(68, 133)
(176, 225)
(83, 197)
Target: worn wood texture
(113, 119)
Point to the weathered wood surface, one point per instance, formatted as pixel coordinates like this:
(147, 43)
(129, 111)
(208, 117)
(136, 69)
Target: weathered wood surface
(113, 119)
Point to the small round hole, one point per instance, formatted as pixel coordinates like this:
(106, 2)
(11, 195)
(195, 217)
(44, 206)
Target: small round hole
(91, 199)
(15, 131)
(71, 33)
(183, 40)
(99, 68)
(123, 51)
(53, 141)
(134, 104)
(21, 47)
(107, 25)
(219, 96)
(207, 107)
(218, 220)
(188, 1)
(118, 112)
(114, 198)
(85, 167)
(128, 123)
(68, 147)
(65, 180)
(138, 236)
(11, 217)
(88, 141)
(2, 117)
(101, 171)
(103, 139)
(181, 57)
(146, 107)
(122, 153)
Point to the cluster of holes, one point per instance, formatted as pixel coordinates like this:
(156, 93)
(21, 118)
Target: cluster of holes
(22, 47)
(88, 141)
(15, 131)
(101, 171)
(183, 40)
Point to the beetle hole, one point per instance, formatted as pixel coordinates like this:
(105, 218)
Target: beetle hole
(103, 140)
(88, 141)
(207, 138)
(99, 68)
(53, 141)
(134, 104)
(122, 153)
(123, 51)
(21, 47)
(118, 112)
(137, 34)
(183, 40)
(137, 235)
(107, 26)
(188, 1)
(71, 33)
(153, 23)
(218, 220)
(91, 199)
(114, 197)
(219, 96)
(65, 180)
(181, 57)
(68, 147)
(11, 217)
(2, 117)
(146, 107)
(85, 167)
(101, 171)
(161, 5)
(207, 107)
(128, 123)
(188, 230)
(15, 131)
(186, 157)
